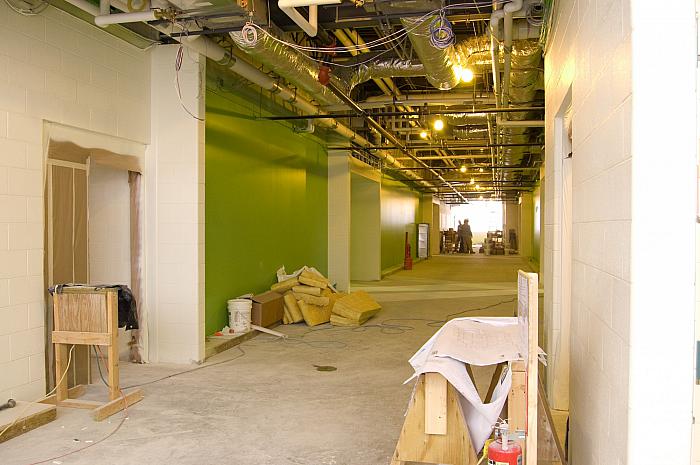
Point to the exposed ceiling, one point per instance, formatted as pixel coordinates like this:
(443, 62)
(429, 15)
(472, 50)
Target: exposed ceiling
(393, 68)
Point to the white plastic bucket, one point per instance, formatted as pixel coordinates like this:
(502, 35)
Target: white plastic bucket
(239, 315)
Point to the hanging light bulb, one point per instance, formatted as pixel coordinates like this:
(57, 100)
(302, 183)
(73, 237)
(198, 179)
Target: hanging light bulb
(471, 181)
(481, 170)
(477, 187)
(467, 75)
(463, 169)
(438, 124)
(424, 134)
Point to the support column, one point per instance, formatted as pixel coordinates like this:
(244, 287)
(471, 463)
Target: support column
(339, 218)
(526, 225)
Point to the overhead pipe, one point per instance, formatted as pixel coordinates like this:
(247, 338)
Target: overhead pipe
(384, 132)
(207, 47)
(421, 112)
(446, 99)
(508, 10)
(105, 20)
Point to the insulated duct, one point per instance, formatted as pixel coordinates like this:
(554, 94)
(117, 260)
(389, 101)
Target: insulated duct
(439, 63)
(293, 66)
(377, 68)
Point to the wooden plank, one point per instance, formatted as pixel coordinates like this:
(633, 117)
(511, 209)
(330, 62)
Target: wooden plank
(435, 404)
(80, 337)
(528, 295)
(73, 393)
(414, 445)
(517, 402)
(113, 349)
(84, 404)
(61, 364)
(497, 371)
(32, 416)
(549, 447)
(117, 405)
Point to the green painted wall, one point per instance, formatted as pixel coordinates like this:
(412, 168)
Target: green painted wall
(400, 212)
(266, 199)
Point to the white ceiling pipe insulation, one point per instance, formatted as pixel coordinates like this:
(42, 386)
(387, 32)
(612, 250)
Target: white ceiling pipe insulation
(207, 47)
(310, 25)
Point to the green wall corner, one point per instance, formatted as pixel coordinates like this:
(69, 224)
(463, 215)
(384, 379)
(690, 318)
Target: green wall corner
(266, 201)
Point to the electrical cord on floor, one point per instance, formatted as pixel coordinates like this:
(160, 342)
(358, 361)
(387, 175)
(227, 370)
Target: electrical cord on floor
(29, 404)
(183, 372)
(125, 417)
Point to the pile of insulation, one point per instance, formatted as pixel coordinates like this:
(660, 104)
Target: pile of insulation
(309, 297)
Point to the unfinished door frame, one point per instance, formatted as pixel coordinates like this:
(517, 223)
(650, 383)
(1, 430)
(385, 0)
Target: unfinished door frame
(560, 306)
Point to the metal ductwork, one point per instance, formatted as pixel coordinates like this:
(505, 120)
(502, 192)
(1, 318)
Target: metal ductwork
(377, 68)
(439, 63)
(293, 66)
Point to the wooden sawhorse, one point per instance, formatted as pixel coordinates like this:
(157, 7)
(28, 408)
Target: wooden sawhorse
(85, 315)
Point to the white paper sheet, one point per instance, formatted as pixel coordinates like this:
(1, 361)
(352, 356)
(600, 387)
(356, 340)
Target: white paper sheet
(477, 341)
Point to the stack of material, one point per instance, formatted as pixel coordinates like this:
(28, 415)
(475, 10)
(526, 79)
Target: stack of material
(309, 297)
(354, 309)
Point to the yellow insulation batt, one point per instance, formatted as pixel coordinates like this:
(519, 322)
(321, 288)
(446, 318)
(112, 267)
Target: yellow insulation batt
(357, 306)
(285, 317)
(312, 299)
(337, 320)
(284, 286)
(307, 290)
(313, 279)
(313, 314)
(290, 303)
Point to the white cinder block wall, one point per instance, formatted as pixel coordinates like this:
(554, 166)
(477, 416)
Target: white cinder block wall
(58, 68)
(631, 325)
(175, 200)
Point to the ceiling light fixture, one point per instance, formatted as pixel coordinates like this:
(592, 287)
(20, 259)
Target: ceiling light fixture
(481, 170)
(463, 169)
(424, 134)
(438, 125)
(467, 75)
(471, 181)
(481, 197)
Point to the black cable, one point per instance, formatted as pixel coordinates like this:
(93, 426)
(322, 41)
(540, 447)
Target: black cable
(201, 367)
(99, 367)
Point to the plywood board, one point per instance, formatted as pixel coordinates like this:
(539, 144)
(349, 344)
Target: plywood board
(414, 445)
(528, 320)
(26, 417)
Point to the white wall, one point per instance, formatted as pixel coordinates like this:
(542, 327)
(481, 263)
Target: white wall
(109, 228)
(58, 68)
(631, 326)
(109, 238)
(339, 213)
(175, 211)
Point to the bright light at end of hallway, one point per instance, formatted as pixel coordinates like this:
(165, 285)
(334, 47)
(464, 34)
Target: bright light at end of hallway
(438, 124)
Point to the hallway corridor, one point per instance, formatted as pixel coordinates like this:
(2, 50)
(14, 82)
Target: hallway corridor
(351, 416)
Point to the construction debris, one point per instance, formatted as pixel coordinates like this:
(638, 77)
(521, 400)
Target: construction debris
(309, 296)
(310, 290)
(284, 286)
(357, 307)
(292, 308)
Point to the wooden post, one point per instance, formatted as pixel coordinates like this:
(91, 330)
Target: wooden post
(60, 353)
(435, 404)
(113, 348)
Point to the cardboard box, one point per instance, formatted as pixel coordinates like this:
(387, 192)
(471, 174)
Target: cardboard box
(268, 309)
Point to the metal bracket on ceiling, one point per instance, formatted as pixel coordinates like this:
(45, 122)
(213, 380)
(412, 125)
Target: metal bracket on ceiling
(310, 25)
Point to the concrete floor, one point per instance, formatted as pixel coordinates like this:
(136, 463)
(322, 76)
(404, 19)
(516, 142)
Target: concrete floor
(267, 403)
